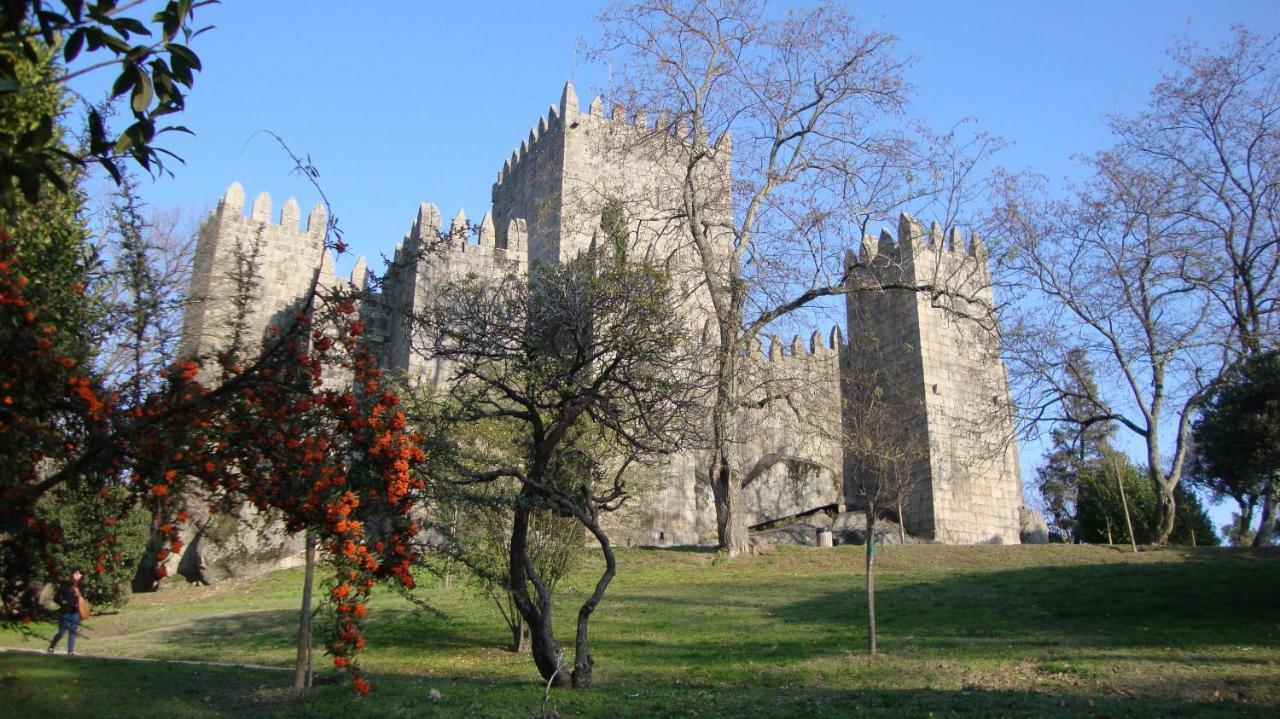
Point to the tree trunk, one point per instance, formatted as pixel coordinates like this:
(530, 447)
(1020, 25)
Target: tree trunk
(1166, 513)
(523, 642)
(303, 662)
(871, 583)
(582, 662)
(730, 527)
(519, 635)
(1241, 529)
(1267, 526)
(726, 485)
(1124, 503)
(547, 654)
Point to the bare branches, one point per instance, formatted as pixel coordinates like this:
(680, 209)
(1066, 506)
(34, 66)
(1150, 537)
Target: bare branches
(808, 107)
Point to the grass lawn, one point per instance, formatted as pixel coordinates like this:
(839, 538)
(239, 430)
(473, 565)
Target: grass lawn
(983, 631)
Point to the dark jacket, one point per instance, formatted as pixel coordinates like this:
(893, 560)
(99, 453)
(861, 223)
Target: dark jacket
(68, 601)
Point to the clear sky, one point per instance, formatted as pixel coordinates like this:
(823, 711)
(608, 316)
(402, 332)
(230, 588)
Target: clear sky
(398, 103)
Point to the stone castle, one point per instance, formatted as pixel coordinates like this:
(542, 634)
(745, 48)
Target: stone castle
(546, 205)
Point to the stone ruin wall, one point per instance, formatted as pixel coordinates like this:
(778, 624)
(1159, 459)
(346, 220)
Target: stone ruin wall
(796, 437)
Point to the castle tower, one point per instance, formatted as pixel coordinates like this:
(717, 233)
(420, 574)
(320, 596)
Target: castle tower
(250, 271)
(426, 260)
(559, 180)
(930, 348)
(573, 162)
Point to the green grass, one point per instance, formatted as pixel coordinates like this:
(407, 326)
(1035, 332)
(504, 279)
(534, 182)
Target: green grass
(965, 631)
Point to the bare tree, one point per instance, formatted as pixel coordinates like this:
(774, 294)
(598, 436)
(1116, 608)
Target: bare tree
(1110, 276)
(584, 363)
(143, 276)
(808, 108)
(1165, 266)
(1213, 127)
(883, 457)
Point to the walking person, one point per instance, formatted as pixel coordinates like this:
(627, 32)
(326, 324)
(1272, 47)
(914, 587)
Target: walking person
(69, 604)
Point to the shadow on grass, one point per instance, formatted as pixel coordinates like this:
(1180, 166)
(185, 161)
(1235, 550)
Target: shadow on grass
(1203, 602)
(680, 548)
(41, 686)
(265, 630)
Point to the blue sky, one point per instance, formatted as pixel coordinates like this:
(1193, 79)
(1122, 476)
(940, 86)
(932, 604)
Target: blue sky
(398, 103)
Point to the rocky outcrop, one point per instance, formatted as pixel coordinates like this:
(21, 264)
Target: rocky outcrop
(224, 545)
(1034, 530)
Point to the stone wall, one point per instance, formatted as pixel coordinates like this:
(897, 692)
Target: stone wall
(933, 342)
(546, 208)
(250, 272)
(426, 260)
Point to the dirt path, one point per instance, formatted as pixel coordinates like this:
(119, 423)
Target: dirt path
(232, 665)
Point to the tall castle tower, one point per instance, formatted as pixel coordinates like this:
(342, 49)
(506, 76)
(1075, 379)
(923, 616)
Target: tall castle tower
(933, 350)
(250, 271)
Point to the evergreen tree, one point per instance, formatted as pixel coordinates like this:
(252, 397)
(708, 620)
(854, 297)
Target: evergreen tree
(1100, 516)
(1237, 441)
(1077, 449)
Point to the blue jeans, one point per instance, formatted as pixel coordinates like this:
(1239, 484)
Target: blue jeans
(67, 624)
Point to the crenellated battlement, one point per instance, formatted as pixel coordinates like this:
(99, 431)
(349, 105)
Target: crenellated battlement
(231, 204)
(797, 348)
(550, 128)
(271, 260)
(546, 206)
(427, 235)
(913, 240)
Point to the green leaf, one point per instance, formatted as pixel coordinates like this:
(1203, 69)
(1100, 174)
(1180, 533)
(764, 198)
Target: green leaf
(190, 58)
(110, 166)
(142, 94)
(125, 82)
(131, 25)
(74, 44)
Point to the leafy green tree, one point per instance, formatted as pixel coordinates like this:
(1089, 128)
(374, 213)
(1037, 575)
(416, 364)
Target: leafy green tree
(587, 362)
(46, 321)
(1237, 441)
(1078, 447)
(1100, 516)
(155, 68)
(107, 561)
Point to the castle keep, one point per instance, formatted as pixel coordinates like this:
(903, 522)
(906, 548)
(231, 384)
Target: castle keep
(546, 204)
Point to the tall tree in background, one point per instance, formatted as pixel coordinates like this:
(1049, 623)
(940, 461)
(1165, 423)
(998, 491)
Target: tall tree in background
(1238, 440)
(1100, 509)
(1108, 274)
(810, 108)
(1077, 447)
(1163, 267)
